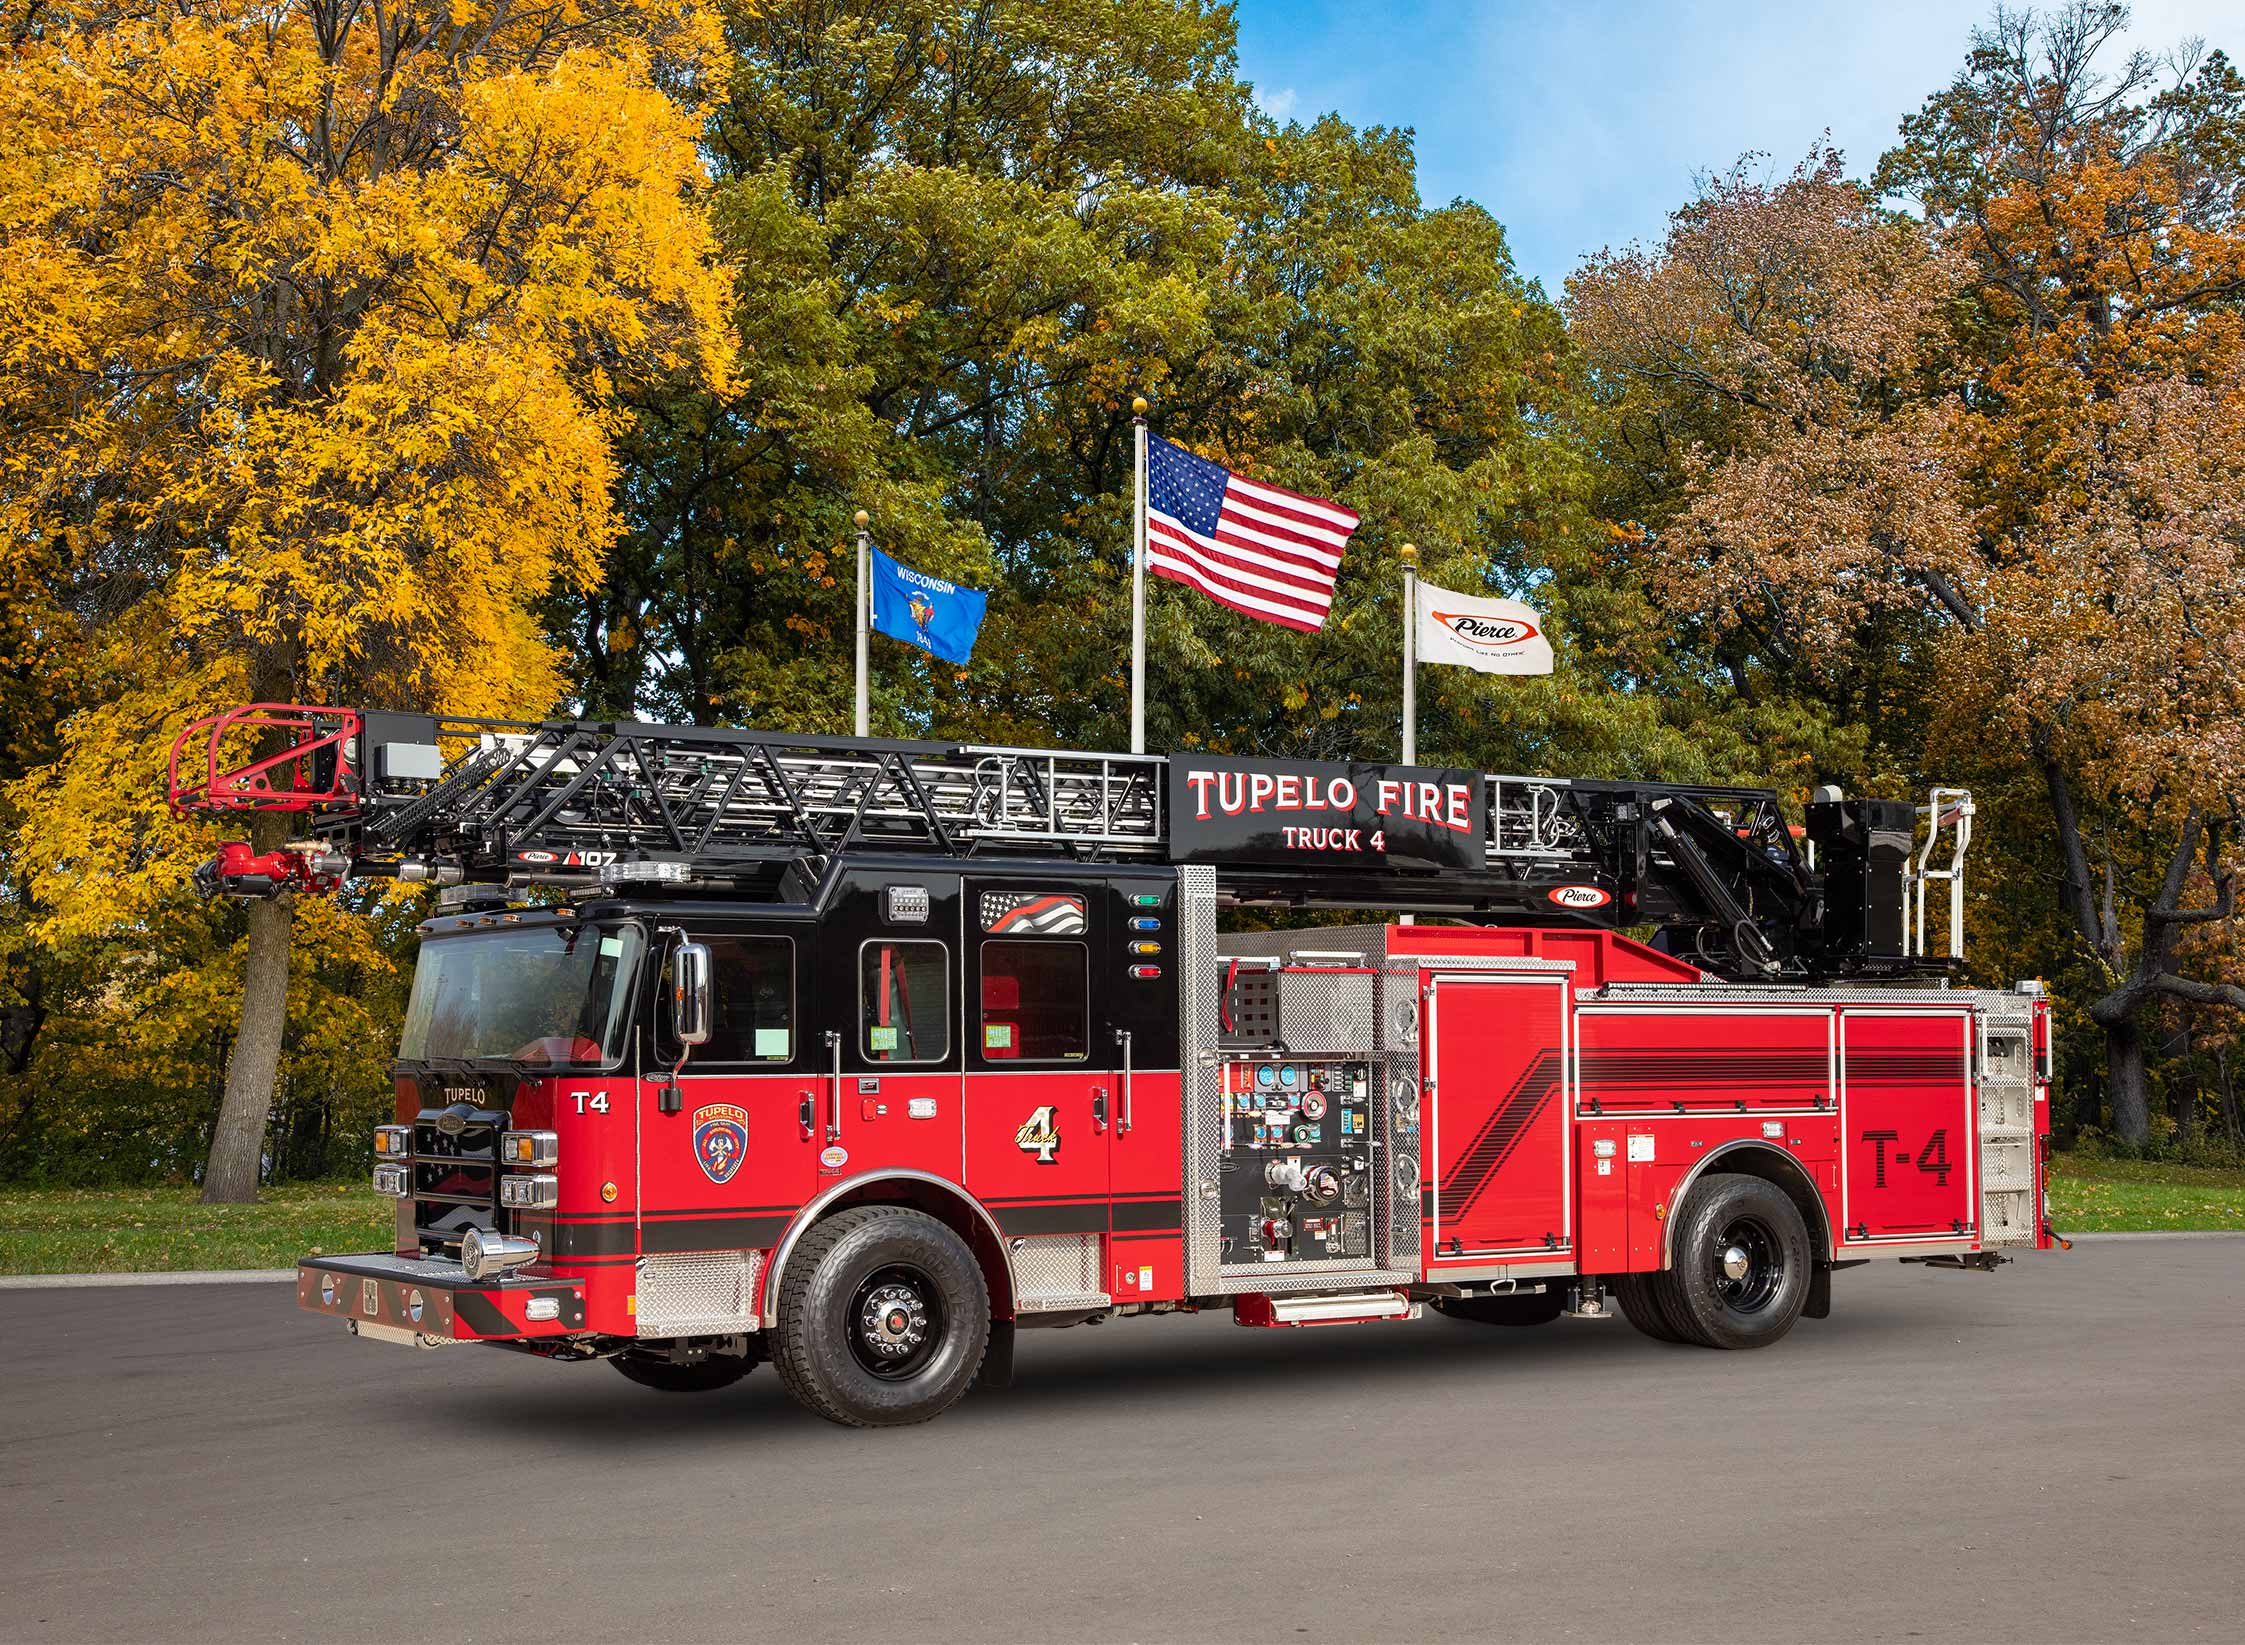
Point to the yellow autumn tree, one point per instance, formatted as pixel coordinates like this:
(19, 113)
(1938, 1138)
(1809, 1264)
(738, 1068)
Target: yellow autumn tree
(315, 316)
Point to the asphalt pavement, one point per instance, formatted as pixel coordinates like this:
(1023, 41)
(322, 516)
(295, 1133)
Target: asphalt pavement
(2054, 1452)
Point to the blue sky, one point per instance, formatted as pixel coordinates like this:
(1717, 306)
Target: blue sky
(1581, 125)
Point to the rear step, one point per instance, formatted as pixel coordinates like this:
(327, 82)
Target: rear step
(1332, 1308)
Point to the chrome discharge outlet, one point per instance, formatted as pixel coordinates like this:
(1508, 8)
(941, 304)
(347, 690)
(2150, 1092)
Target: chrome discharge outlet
(486, 1255)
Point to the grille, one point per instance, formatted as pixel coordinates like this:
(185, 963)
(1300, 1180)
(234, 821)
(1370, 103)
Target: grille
(698, 1293)
(1052, 1271)
(456, 1175)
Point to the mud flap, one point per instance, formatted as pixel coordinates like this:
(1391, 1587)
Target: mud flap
(1819, 1304)
(997, 1359)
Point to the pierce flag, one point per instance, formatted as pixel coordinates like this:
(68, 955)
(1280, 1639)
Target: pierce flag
(1494, 636)
(937, 616)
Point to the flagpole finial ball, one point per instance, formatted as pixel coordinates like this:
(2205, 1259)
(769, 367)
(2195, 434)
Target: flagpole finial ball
(1409, 553)
(862, 518)
(1138, 405)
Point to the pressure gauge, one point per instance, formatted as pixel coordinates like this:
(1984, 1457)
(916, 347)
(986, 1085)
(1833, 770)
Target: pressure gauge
(1313, 1105)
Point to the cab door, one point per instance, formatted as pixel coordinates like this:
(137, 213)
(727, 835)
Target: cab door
(1041, 1096)
(728, 1161)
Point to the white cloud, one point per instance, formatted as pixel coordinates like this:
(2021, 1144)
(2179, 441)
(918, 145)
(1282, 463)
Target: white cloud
(1279, 104)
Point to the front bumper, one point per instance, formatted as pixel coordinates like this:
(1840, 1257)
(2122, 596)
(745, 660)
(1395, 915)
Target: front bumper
(432, 1300)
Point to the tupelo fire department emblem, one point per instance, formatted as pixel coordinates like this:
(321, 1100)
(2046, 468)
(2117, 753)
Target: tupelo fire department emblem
(1039, 1134)
(720, 1140)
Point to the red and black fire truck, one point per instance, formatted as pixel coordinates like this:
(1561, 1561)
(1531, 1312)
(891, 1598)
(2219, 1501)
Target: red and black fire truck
(861, 1056)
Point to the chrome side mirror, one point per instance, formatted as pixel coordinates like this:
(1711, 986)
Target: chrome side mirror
(690, 993)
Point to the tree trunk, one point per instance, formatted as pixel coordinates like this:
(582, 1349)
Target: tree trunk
(2124, 1082)
(230, 1177)
(2230, 1124)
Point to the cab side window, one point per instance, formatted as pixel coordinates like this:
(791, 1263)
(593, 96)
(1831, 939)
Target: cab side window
(1036, 1001)
(752, 980)
(903, 993)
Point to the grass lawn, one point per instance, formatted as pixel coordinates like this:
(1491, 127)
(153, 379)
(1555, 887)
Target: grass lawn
(2095, 1195)
(142, 1230)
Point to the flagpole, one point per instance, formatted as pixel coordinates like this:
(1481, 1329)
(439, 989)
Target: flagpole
(1138, 583)
(1409, 554)
(864, 718)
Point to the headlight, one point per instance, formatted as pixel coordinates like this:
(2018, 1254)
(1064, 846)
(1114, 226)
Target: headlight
(539, 1192)
(393, 1180)
(529, 1148)
(393, 1141)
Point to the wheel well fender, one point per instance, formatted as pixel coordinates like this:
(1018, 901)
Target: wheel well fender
(943, 1200)
(1750, 1158)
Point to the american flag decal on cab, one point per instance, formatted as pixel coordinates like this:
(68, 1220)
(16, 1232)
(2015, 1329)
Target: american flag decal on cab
(1034, 914)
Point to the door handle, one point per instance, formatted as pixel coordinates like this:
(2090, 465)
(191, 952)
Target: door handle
(805, 1112)
(1123, 1035)
(1099, 1108)
(834, 1089)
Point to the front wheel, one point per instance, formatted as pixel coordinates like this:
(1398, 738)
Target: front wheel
(883, 1318)
(1742, 1264)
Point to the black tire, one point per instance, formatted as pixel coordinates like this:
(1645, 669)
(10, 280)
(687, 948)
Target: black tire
(1527, 1308)
(883, 1318)
(1757, 1304)
(1669, 1310)
(1638, 1307)
(703, 1376)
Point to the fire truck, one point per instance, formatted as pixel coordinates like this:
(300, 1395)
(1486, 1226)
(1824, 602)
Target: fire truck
(864, 1056)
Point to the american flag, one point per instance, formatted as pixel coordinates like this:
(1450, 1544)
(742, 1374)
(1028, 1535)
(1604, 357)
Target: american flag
(1033, 913)
(1257, 548)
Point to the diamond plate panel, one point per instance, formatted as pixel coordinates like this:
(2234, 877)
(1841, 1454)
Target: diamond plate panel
(1401, 1115)
(1200, 987)
(1321, 1011)
(1052, 1271)
(2007, 1216)
(697, 1293)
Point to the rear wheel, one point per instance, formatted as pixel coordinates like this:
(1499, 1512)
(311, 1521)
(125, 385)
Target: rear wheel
(655, 1369)
(1742, 1264)
(1505, 1308)
(883, 1318)
(1634, 1294)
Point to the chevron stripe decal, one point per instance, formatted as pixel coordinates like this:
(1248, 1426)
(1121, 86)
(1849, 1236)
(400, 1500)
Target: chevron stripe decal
(1501, 1132)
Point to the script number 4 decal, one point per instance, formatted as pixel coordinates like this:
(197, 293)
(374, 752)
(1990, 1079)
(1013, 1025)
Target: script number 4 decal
(1933, 1157)
(1039, 1134)
(590, 1101)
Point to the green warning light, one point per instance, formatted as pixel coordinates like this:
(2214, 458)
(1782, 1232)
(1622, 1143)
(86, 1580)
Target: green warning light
(1146, 899)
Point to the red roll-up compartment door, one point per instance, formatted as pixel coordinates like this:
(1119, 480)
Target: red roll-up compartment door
(1496, 1143)
(1908, 1144)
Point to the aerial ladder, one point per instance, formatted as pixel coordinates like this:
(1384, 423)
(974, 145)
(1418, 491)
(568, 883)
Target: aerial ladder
(1716, 872)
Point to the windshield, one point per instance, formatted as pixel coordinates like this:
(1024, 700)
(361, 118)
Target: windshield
(537, 994)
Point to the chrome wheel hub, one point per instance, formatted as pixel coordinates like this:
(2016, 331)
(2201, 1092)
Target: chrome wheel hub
(1749, 1265)
(893, 1321)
